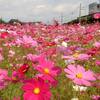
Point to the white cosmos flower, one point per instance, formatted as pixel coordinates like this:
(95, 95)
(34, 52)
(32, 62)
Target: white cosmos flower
(69, 61)
(64, 44)
(79, 88)
(98, 30)
(2, 30)
(74, 99)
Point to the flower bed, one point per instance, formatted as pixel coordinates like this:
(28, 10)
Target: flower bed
(49, 62)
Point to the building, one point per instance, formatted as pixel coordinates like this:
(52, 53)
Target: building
(94, 8)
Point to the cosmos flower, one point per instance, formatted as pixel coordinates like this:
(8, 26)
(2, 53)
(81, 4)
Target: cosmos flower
(11, 53)
(96, 16)
(23, 69)
(97, 62)
(83, 57)
(37, 89)
(77, 56)
(79, 75)
(74, 99)
(1, 57)
(64, 44)
(32, 57)
(26, 41)
(79, 88)
(48, 68)
(3, 76)
(97, 44)
(95, 97)
(16, 98)
(16, 77)
(4, 35)
(92, 51)
(48, 71)
(69, 61)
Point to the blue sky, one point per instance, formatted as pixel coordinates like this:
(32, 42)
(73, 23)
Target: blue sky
(42, 10)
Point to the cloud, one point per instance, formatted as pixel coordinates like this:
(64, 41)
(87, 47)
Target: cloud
(63, 8)
(40, 6)
(36, 10)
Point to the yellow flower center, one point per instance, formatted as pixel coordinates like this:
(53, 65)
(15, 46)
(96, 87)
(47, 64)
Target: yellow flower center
(76, 55)
(46, 70)
(79, 75)
(36, 91)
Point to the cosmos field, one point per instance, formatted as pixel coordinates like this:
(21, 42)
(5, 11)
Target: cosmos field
(50, 62)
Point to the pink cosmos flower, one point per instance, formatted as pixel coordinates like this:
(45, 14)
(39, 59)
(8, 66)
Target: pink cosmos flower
(27, 41)
(47, 68)
(83, 57)
(97, 44)
(36, 58)
(96, 97)
(17, 77)
(96, 84)
(37, 89)
(77, 56)
(32, 57)
(1, 57)
(1, 49)
(97, 62)
(48, 71)
(3, 76)
(18, 42)
(79, 75)
(16, 98)
(96, 16)
(69, 57)
(11, 53)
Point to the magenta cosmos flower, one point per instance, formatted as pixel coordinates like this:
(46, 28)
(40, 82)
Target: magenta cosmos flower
(48, 70)
(79, 75)
(36, 89)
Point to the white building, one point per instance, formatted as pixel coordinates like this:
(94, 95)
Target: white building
(94, 8)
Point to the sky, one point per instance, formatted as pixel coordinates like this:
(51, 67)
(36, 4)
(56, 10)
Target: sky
(43, 10)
